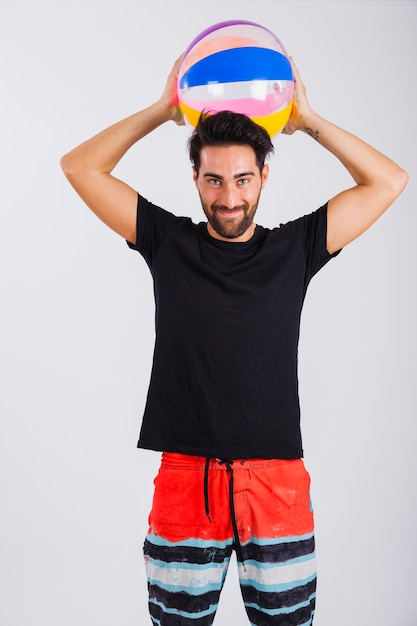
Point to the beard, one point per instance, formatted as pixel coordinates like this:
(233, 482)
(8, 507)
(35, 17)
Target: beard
(233, 227)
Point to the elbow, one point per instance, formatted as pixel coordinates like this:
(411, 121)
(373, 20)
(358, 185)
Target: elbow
(72, 167)
(404, 180)
(399, 181)
(66, 165)
(393, 184)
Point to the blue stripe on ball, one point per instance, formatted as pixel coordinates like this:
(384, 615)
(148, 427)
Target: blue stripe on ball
(238, 64)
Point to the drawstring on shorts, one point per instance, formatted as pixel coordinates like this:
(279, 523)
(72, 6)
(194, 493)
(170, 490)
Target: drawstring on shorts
(229, 469)
(206, 498)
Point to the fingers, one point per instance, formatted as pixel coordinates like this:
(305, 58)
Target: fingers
(294, 68)
(298, 83)
(179, 120)
(178, 63)
(300, 106)
(173, 88)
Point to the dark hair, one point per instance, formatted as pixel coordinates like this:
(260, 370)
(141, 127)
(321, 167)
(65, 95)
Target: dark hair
(229, 129)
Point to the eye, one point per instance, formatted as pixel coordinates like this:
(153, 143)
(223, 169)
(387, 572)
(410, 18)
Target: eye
(243, 181)
(214, 181)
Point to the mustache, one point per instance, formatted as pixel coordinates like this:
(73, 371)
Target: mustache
(226, 209)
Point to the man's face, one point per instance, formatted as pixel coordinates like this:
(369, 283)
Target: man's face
(229, 184)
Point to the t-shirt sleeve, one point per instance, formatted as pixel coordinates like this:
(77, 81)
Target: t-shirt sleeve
(153, 225)
(311, 233)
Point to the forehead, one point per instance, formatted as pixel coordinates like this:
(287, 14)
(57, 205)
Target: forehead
(228, 159)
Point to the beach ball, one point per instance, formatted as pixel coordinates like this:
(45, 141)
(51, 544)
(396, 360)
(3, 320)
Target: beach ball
(237, 66)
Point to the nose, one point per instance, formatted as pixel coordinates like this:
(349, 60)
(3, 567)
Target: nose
(229, 196)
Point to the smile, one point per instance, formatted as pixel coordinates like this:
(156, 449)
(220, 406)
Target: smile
(229, 213)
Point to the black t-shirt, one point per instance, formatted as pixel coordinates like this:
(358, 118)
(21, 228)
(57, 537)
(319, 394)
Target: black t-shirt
(224, 378)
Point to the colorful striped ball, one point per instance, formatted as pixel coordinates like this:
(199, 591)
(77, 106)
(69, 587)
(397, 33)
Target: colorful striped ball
(237, 66)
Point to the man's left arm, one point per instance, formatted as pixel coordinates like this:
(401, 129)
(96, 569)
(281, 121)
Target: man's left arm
(379, 181)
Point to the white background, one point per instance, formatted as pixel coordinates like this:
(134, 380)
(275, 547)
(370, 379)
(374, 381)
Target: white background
(76, 332)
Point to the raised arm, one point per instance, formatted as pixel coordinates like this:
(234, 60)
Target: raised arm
(379, 181)
(88, 167)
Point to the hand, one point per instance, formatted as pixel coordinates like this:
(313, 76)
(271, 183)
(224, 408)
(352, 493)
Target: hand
(301, 110)
(169, 97)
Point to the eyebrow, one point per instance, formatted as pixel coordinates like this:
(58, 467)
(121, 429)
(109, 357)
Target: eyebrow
(236, 176)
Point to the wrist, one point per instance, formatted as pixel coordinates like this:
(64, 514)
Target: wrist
(163, 110)
(310, 124)
(168, 111)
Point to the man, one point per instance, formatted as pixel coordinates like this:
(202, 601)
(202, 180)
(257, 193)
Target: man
(222, 404)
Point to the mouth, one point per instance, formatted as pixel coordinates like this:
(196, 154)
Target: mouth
(228, 213)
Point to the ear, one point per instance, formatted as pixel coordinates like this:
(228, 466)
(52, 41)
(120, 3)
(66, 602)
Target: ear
(264, 175)
(195, 175)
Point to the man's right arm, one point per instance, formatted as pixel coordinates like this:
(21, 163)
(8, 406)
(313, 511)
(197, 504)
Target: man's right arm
(88, 167)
